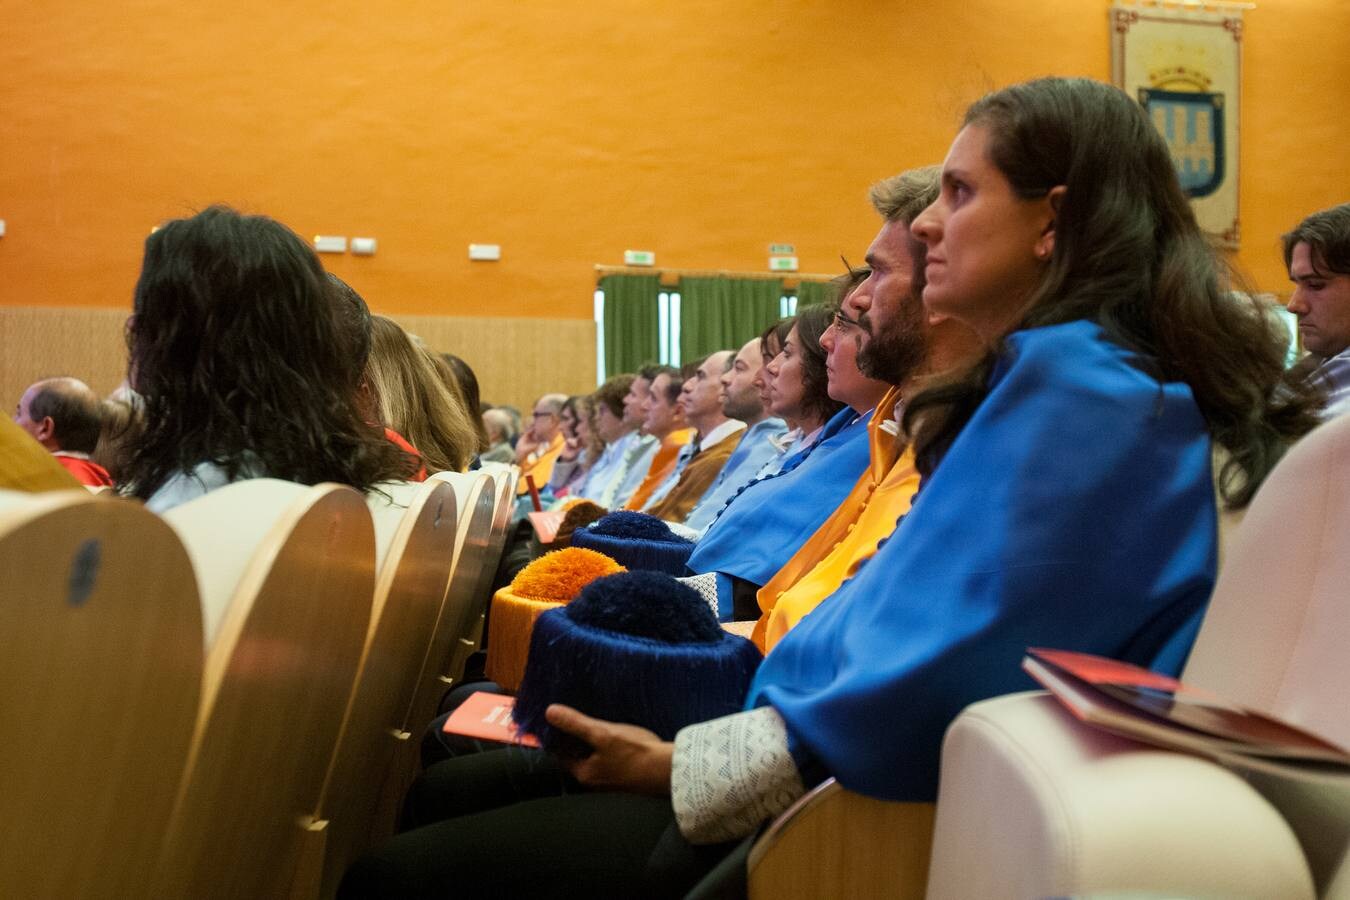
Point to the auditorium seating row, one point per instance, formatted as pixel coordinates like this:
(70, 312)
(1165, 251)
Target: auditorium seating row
(221, 702)
(143, 765)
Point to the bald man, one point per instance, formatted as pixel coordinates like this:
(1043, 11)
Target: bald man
(62, 415)
(718, 435)
(740, 401)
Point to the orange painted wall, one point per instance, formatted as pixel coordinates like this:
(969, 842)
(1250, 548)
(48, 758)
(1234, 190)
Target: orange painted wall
(565, 131)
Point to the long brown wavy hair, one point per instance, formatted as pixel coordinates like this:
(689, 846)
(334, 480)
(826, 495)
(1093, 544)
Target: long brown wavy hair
(1129, 256)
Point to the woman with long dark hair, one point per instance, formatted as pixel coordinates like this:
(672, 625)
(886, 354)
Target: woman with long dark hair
(1069, 500)
(237, 353)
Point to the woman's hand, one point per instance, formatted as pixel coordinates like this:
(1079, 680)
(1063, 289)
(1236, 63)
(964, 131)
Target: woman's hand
(571, 449)
(625, 758)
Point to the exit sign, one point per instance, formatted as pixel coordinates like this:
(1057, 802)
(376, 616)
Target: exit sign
(782, 250)
(782, 263)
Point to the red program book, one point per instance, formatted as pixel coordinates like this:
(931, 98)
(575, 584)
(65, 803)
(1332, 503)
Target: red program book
(1136, 703)
(546, 524)
(487, 716)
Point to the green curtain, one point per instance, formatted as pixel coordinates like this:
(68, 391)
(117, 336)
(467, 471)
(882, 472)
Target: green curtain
(631, 329)
(723, 313)
(816, 293)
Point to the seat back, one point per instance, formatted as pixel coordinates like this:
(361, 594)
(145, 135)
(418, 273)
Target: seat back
(1276, 632)
(801, 854)
(474, 499)
(464, 600)
(506, 477)
(409, 594)
(101, 658)
(277, 678)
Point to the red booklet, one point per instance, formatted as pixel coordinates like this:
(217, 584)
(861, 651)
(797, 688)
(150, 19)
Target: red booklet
(1143, 705)
(546, 524)
(487, 716)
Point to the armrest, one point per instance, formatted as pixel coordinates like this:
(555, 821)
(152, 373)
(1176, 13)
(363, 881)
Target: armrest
(835, 843)
(1034, 803)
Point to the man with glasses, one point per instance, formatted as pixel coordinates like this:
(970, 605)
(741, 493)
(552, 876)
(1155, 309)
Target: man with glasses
(539, 447)
(884, 325)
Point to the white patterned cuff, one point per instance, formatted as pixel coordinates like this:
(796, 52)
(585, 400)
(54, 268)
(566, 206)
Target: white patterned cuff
(730, 774)
(706, 585)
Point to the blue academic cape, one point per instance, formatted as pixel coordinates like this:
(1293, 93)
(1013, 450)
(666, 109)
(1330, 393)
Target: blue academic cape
(767, 520)
(1075, 510)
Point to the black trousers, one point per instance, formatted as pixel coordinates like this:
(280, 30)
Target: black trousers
(511, 822)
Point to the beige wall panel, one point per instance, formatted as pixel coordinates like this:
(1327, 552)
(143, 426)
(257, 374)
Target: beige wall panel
(38, 342)
(516, 360)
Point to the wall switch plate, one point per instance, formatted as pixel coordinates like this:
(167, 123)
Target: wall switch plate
(363, 246)
(330, 243)
(485, 252)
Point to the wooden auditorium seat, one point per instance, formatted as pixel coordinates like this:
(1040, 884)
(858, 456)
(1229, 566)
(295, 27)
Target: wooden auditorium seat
(466, 598)
(416, 525)
(292, 570)
(474, 499)
(835, 843)
(101, 657)
(506, 476)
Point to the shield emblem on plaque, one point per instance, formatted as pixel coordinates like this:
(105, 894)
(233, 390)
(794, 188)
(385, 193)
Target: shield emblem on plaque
(1192, 124)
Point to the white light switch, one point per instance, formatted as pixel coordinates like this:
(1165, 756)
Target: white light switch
(485, 251)
(363, 246)
(330, 243)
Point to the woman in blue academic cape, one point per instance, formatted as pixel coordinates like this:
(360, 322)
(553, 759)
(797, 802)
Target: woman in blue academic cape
(1068, 500)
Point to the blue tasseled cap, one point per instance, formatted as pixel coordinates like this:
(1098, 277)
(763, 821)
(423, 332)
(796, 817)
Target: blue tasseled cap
(636, 647)
(636, 541)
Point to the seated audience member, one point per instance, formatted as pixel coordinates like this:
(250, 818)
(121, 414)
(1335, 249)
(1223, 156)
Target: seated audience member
(613, 431)
(883, 326)
(412, 401)
(236, 349)
(1317, 255)
(474, 419)
(121, 419)
(663, 422)
(799, 437)
(703, 459)
(466, 384)
(578, 452)
(356, 327)
(1063, 238)
(517, 428)
(62, 414)
(740, 401)
(540, 444)
(498, 426)
(641, 448)
(765, 524)
(25, 465)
